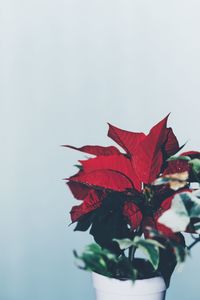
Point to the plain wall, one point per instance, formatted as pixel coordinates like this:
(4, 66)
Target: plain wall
(67, 68)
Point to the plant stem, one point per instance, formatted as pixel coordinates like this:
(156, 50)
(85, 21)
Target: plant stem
(132, 254)
(194, 243)
(129, 252)
(132, 249)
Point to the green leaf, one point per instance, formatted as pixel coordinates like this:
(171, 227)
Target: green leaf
(197, 227)
(150, 249)
(187, 158)
(161, 180)
(109, 222)
(96, 249)
(180, 253)
(155, 243)
(195, 211)
(176, 218)
(164, 180)
(79, 167)
(85, 221)
(195, 165)
(185, 206)
(105, 262)
(124, 243)
(125, 269)
(95, 259)
(93, 248)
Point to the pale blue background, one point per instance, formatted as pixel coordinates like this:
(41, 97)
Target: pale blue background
(66, 68)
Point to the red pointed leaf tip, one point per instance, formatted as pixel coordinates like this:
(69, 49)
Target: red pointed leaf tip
(148, 158)
(191, 154)
(126, 139)
(171, 146)
(96, 150)
(133, 214)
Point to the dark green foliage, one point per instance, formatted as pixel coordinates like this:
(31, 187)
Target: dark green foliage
(107, 222)
(173, 254)
(125, 193)
(150, 248)
(106, 263)
(85, 221)
(110, 223)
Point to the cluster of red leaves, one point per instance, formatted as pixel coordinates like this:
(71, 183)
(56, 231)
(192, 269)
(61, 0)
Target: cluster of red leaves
(143, 160)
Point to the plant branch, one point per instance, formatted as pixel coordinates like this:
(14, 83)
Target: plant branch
(197, 240)
(132, 253)
(132, 249)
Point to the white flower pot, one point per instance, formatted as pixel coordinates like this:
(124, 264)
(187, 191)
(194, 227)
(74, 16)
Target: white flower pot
(142, 289)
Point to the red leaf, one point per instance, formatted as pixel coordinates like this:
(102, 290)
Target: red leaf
(149, 222)
(171, 145)
(104, 179)
(148, 158)
(91, 202)
(96, 150)
(119, 163)
(167, 232)
(166, 204)
(79, 190)
(126, 139)
(133, 214)
(191, 154)
(176, 166)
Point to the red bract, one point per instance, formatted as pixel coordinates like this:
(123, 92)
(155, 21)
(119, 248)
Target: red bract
(136, 218)
(148, 158)
(177, 166)
(165, 205)
(126, 139)
(143, 163)
(145, 158)
(171, 145)
(96, 150)
(113, 172)
(104, 179)
(191, 154)
(78, 190)
(91, 202)
(133, 214)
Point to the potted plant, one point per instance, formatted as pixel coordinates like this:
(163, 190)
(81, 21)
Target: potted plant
(139, 199)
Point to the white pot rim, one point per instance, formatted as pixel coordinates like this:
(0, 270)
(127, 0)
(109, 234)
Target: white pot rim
(127, 287)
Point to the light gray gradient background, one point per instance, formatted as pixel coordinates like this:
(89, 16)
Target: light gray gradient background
(67, 68)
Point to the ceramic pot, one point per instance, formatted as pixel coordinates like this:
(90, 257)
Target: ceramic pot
(142, 289)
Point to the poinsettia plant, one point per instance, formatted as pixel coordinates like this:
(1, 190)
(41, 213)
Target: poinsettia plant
(136, 197)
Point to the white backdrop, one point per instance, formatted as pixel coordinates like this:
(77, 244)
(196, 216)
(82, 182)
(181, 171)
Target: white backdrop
(66, 68)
